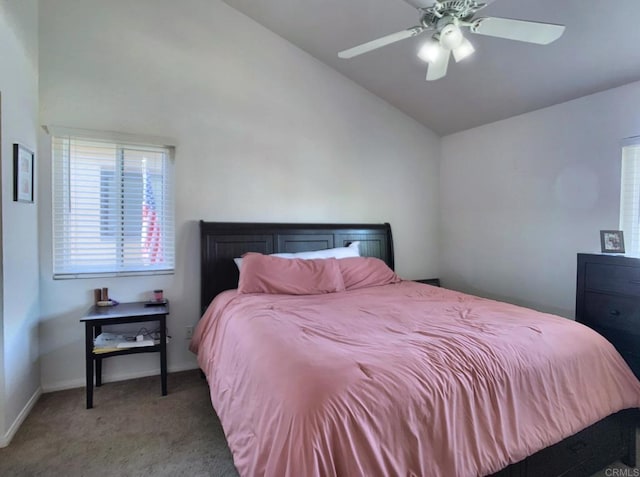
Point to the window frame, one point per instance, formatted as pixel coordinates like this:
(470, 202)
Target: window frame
(121, 142)
(629, 222)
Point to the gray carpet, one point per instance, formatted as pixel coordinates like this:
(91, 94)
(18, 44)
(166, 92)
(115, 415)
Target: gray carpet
(131, 431)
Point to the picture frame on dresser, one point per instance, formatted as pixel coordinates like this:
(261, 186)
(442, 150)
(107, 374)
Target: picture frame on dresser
(612, 241)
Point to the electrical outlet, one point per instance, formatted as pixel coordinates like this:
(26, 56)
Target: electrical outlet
(189, 332)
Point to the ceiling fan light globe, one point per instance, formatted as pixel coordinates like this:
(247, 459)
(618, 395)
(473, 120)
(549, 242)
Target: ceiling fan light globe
(451, 37)
(430, 51)
(463, 51)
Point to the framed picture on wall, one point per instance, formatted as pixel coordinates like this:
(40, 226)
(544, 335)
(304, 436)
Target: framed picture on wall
(23, 162)
(612, 241)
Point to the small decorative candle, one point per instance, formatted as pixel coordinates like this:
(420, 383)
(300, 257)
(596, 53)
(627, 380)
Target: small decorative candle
(157, 295)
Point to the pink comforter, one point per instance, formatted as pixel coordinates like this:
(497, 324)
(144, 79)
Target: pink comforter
(400, 380)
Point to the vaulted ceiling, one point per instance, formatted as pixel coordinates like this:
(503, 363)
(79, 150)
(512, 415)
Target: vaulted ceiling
(600, 49)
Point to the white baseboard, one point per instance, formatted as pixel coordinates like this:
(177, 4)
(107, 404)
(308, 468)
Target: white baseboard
(6, 438)
(80, 382)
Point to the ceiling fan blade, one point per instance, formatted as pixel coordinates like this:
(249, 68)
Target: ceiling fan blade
(438, 69)
(380, 42)
(421, 3)
(520, 30)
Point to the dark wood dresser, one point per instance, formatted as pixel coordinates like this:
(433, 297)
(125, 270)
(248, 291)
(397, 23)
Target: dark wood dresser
(608, 300)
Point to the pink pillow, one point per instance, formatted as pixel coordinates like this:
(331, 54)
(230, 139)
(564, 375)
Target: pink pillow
(361, 272)
(267, 274)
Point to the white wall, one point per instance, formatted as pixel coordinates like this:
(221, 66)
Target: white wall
(520, 197)
(20, 308)
(264, 133)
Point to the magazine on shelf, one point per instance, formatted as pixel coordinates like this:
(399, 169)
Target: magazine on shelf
(106, 342)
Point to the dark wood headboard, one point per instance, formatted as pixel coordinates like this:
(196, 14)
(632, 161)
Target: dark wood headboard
(221, 242)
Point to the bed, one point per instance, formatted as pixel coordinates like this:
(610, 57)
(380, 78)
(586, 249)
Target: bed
(247, 399)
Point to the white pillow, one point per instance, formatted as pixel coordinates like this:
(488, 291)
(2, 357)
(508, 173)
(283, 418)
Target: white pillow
(353, 250)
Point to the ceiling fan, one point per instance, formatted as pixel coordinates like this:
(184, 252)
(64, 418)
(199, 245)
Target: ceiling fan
(446, 18)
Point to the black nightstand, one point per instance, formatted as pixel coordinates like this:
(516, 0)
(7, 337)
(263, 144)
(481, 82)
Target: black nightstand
(137, 312)
(430, 281)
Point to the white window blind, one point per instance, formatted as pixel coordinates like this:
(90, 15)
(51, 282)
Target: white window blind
(630, 195)
(113, 208)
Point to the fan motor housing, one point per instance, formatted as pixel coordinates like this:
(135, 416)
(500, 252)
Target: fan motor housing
(436, 11)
